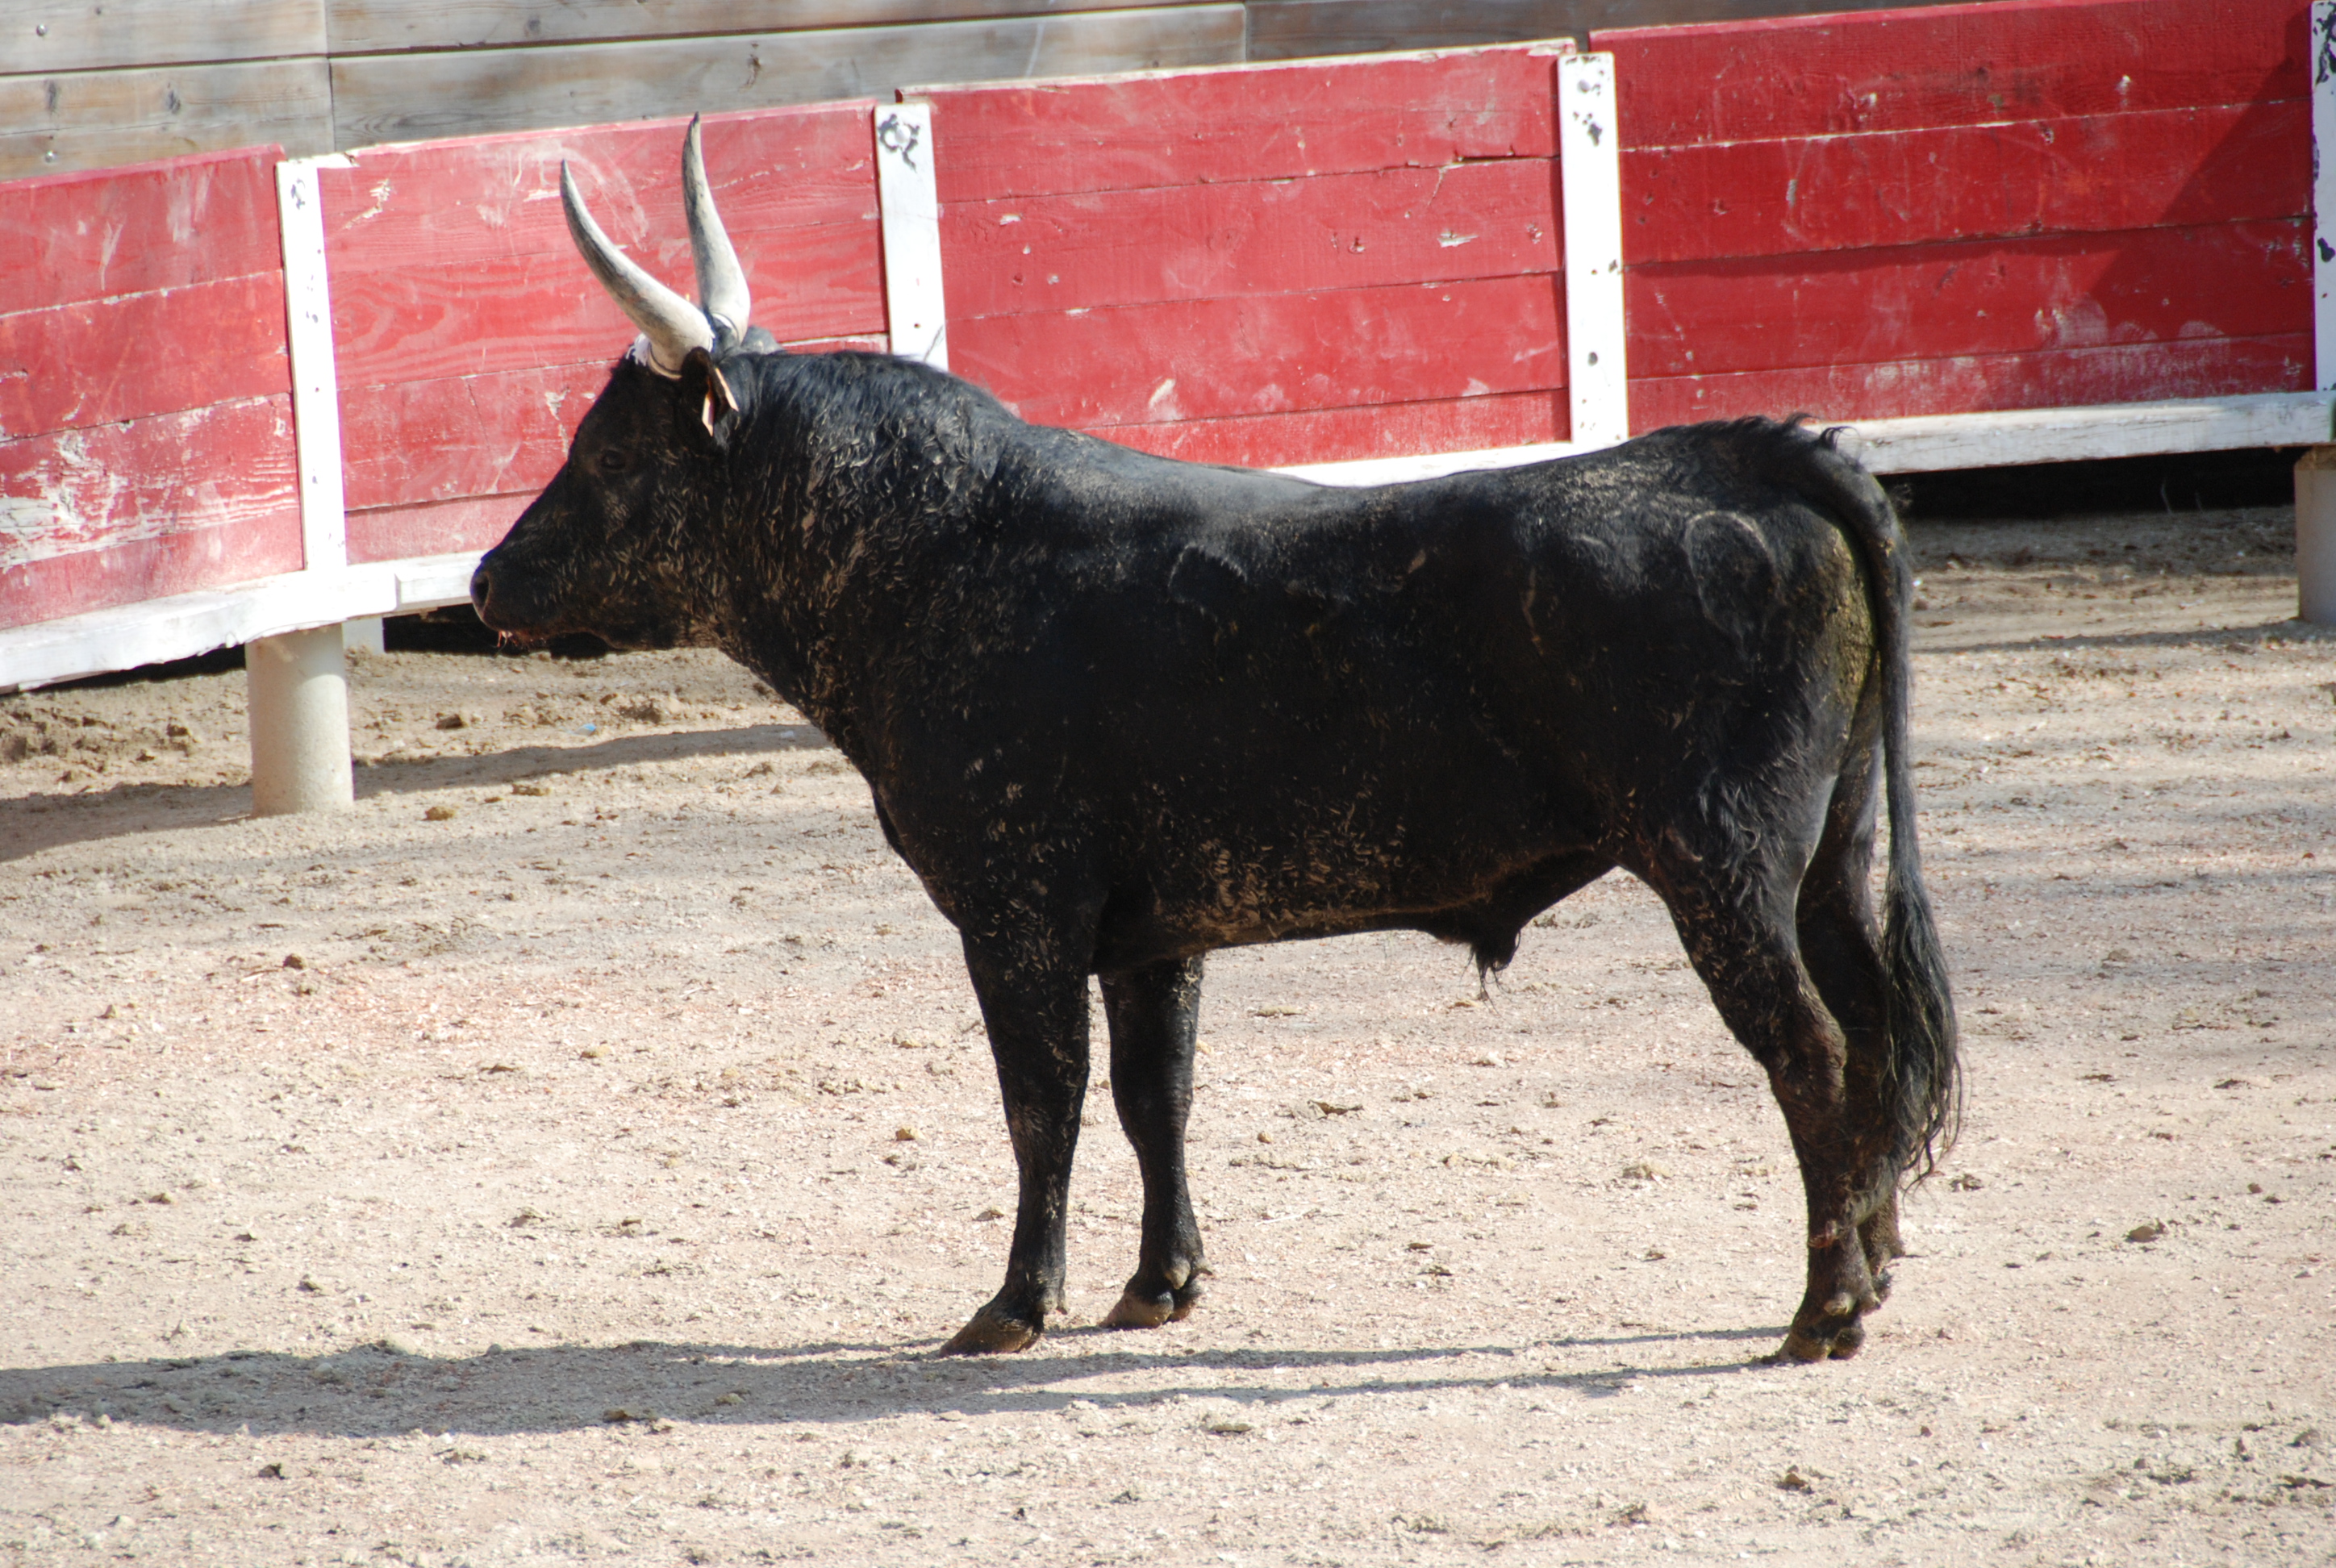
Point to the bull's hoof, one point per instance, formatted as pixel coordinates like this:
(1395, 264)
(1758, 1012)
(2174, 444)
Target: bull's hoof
(1829, 1332)
(992, 1332)
(1144, 1309)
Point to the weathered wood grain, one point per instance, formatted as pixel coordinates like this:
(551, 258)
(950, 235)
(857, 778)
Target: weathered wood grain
(1346, 434)
(96, 120)
(86, 236)
(1972, 383)
(375, 26)
(119, 513)
(1928, 302)
(1267, 122)
(1046, 254)
(402, 97)
(103, 361)
(1963, 64)
(47, 36)
(1295, 29)
(1215, 358)
(2094, 174)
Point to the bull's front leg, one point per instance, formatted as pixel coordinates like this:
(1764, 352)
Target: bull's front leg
(1035, 1008)
(1155, 1013)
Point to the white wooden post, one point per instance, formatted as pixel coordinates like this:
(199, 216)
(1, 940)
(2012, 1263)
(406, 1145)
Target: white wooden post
(1589, 183)
(296, 685)
(2315, 476)
(911, 207)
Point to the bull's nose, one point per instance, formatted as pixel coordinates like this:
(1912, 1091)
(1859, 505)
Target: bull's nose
(482, 587)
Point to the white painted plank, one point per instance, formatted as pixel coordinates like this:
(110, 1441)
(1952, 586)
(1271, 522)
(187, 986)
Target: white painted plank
(2323, 191)
(186, 624)
(434, 581)
(910, 203)
(1590, 184)
(2014, 437)
(1964, 440)
(316, 381)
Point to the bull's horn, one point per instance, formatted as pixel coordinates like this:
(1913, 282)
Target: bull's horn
(673, 325)
(721, 291)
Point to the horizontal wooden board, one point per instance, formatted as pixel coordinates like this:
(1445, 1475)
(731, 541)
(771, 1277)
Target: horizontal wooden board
(2118, 373)
(1343, 434)
(467, 199)
(49, 36)
(98, 118)
(1256, 122)
(1118, 247)
(1985, 298)
(504, 433)
(392, 326)
(375, 26)
(403, 97)
(404, 533)
(114, 498)
(1949, 65)
(452, 259)
(1295, 29)
(104, 361)
(1215, 358)
(91, 235)
(2091, 175)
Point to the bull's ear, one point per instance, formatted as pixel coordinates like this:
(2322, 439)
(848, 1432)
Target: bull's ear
(706, 391)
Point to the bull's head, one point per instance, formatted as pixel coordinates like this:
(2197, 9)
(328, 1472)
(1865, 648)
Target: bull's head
(615, 545)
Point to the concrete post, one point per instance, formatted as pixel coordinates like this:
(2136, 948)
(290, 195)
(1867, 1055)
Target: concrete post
(363, 634)
(2315, 536)
(298, 696)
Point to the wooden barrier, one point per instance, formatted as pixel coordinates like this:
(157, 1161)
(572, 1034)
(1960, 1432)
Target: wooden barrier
(145, 408)
(2015, 232)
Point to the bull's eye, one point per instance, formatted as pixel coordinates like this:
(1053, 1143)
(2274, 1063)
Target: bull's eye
(612, 461)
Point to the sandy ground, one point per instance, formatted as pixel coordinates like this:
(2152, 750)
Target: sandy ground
(570, 1154)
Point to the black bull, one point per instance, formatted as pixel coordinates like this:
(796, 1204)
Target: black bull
(1117, 711)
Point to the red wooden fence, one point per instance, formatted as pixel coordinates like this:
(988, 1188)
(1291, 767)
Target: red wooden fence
(469, 340)
(145, 408)
(2014, 205)
(1264, 265)
(1966, 207)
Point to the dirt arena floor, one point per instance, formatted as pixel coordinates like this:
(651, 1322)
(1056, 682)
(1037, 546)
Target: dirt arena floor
(573, 1152)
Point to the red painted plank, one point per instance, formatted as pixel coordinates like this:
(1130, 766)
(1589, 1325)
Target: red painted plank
(468, 200)
(1052, 253)
(439, 528)
(1339, 434)
(1949, 65)
(80, 237)
(1214, 358)
(2063, 378)
(1241, 123)
(422, 323)
(1986, 298)
(2103, 172)
(491, 434)
(154, 506)
(100, 361)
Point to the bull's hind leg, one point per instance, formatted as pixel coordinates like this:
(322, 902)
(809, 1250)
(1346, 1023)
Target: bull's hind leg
(1740, 933)
(1841, 947)
(1155, 1015)
(1036, 1013)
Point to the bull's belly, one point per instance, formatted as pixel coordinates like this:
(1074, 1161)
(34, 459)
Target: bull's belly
(1220, 894)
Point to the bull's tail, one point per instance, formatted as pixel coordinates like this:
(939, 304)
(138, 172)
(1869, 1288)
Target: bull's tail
(1921, 1077)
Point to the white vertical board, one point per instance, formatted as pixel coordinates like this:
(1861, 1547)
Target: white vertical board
(1589, 183)
(911, 205)
(316, 384)
(2323, 191)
